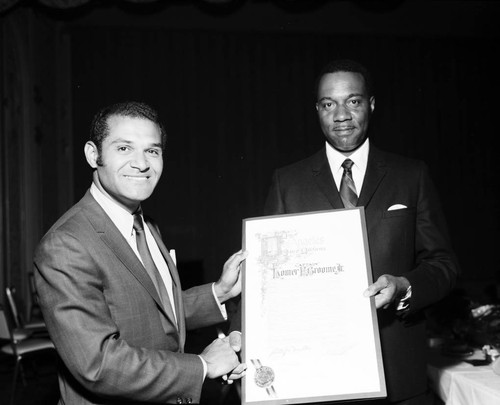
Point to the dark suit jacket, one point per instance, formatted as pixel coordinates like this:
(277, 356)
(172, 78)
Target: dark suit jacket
(411, 242)
(116, 341)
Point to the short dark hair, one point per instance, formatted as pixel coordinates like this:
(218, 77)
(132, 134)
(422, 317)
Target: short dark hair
(99, 128)
(347, 65)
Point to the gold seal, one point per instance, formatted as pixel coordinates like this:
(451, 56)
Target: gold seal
(264, 376)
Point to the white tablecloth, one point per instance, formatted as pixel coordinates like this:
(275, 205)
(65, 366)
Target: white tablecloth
(460, 383)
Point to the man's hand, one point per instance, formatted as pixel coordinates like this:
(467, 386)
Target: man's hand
(221, 359)
(236, 374)
(229, 284)
(387, 289)
(235, 343)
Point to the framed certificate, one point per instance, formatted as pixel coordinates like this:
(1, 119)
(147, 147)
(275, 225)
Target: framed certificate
(309, 334)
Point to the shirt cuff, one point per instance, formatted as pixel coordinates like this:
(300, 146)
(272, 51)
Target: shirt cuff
(205, 367)
(222, 307)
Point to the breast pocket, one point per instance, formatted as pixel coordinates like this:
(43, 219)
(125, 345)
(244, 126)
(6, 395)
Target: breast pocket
(403, 212)
(392, 241)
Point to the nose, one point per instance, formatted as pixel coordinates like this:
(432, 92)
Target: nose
(341, 113)
(140, 162)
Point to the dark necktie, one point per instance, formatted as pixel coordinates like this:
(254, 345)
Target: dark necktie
(147, 259)
(347, 187)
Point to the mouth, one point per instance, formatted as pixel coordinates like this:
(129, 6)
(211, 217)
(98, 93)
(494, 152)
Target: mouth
(138, 178)
(347, 130)
(344, 128)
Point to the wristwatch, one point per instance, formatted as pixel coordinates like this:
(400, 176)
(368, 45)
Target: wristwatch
(404, 303)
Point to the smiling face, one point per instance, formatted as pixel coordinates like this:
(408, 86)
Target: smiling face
(132, 160)
(344, 110)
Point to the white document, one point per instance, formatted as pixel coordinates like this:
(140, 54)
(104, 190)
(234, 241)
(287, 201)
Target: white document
(309, 333)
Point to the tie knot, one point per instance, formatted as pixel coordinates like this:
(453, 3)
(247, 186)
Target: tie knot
(138, 224)
(347, 164)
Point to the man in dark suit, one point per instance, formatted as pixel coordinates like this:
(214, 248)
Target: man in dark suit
(411, 257)
(109, 289)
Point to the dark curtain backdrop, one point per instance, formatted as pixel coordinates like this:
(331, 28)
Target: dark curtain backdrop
(236, 106)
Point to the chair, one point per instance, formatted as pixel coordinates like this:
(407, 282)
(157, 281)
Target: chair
(36, 327)
(19, 349)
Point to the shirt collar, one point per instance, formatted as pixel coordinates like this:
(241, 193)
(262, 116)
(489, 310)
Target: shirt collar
(123, 220)
(359, 157)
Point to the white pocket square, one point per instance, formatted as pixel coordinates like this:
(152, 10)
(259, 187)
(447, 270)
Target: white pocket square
(397, 207)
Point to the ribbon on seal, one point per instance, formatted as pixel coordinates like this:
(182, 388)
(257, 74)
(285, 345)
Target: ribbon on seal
(264, 377)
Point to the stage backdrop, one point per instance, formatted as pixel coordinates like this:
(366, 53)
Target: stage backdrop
(236, 106)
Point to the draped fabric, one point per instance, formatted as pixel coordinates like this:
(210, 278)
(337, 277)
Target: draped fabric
(62, 4)
(221, 6)
(236, 106)
(237, 103)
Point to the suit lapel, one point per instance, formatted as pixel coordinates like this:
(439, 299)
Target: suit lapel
(322, 174)
(375, 172)
(112, 237)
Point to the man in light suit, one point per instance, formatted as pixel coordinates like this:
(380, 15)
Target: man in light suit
(411, 257)
(117, 320)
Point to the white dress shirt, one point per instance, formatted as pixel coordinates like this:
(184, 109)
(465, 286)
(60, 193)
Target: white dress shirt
(124, 221)
(358, 169)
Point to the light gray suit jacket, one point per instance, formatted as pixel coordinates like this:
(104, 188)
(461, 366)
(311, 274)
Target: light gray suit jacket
(116, 341)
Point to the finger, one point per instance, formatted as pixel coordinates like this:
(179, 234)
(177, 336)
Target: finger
(373, 289)
(236, 376)
(239, 369)
(384, 299)
(235, 341)
(224, 338)
(235, 257)
(225, 380)
(381, 283)
(380, 302)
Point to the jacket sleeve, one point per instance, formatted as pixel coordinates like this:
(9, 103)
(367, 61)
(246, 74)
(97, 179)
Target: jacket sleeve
(103, 364)
(201, 307)
(436, 268)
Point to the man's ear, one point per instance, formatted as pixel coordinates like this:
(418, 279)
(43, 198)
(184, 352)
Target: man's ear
(372, 103)
(91, 154)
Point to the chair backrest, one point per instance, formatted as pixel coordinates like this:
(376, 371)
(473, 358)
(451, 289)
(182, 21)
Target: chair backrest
(4, 326)
(13, 307)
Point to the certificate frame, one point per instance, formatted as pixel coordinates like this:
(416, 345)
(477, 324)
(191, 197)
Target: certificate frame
(309, 334)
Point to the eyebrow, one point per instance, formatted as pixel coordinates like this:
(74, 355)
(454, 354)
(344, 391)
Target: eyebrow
(121, 140)
(125, 141)
(349, 96)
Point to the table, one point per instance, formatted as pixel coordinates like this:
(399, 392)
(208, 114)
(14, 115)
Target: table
(457, 382)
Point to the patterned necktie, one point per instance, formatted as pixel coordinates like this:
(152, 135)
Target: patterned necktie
(147, 259)
(347, 188)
